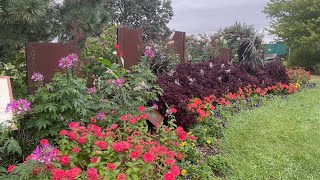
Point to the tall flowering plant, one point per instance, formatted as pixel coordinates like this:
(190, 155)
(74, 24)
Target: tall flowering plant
(120, 151)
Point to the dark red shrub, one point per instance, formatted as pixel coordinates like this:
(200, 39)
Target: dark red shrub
(211, 78)
(272, 73)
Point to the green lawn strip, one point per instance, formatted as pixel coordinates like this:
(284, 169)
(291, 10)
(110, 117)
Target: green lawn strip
(280, 140)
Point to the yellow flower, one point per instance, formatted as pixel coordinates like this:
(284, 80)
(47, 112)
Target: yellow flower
(193, 144)
(189, 133)
(297, 85)
(183, 144)
(205, 130)
(183, 172)
(208, 141)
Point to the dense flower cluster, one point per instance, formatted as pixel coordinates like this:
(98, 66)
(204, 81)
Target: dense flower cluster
(148, 52)
(44, 153)
(299, 75)
(19, 106)
(37, 77)
(119, 151)
(68, 62)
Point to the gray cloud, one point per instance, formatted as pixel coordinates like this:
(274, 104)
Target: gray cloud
(205, 16)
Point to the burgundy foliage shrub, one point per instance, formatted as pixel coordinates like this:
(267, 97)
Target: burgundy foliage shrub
(211, 78)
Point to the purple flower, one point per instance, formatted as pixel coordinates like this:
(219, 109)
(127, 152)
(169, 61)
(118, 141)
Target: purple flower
(155, 106)
(19, 106)
(92, 90)
(37, 77)
(118, 82)
(68, 62)
(101, 115)
(44, 154)
(148, 52)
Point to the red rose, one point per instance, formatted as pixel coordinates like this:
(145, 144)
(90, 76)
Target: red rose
(64, 160)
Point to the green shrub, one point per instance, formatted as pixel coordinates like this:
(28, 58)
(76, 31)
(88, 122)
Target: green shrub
(307, 57)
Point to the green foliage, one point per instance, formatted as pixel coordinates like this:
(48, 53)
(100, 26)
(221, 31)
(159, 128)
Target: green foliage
(102, 46)
(295, 22)
(151, 16)
(165, 60)
(16, 69)
(305, 56)
(201, 48)
(59, 102)
(137, 89)
(91, 17)
(245, 42)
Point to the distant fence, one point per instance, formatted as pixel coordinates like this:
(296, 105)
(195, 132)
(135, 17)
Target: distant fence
(44, 57)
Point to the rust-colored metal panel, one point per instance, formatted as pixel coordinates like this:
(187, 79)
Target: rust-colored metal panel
(179, 39)
(225, 55)
(130, 41)
(44, 58)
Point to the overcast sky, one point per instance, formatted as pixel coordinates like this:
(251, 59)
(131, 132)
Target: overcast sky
(206, 16)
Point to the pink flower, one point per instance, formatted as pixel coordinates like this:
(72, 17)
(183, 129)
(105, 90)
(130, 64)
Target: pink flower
(10, 168)
(81, 140)
(44, 142)
(68, 62)
(37, 77)
(173, 110)
(72, 135)
(132, 120)
(111, 166)
(148, 52)
(58, 174)
(121, 146)
(64, 160)
(75, 150)
(114, 126)
(141, 108)
(74, 125)
(168, 176)
(148, 157)
(121, 176)
(135, 154)
(92, 174)
(92, 90)
(170, 154)
(63, 133)
(175, 170)
(19, 106)
(93, 160)
(169, 162)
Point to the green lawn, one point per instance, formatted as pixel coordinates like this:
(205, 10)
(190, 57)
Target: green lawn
(280, 140)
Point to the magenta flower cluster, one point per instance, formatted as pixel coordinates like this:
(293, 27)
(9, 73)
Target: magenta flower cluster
(19, 106)
(148, 52)
(37, 77)
(44, 154)
(118, 82)
(92, 90)
(69, 61)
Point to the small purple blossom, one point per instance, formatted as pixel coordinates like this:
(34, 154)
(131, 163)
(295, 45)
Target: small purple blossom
(19, 106)
(148, 52)
(37, 77)
(92, 90)
(155, 106)
(118, 82)
(44, 154)
(68, 62)
(101, 115)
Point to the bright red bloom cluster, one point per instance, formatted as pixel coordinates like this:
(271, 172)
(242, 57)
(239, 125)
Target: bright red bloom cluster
(71, 174)
(299, 75)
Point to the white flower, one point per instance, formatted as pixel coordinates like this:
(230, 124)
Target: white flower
(202, 72)
(238, 39)
(228, 71)
(170, 42)
(220, 78)
(211, 65)
(114, 52)
(176, 81)
(222, 65)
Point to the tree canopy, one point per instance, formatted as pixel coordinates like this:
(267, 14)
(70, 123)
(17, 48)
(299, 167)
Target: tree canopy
(296, 22)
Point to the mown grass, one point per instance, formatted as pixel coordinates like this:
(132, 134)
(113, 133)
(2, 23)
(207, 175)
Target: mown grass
(280, 140)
